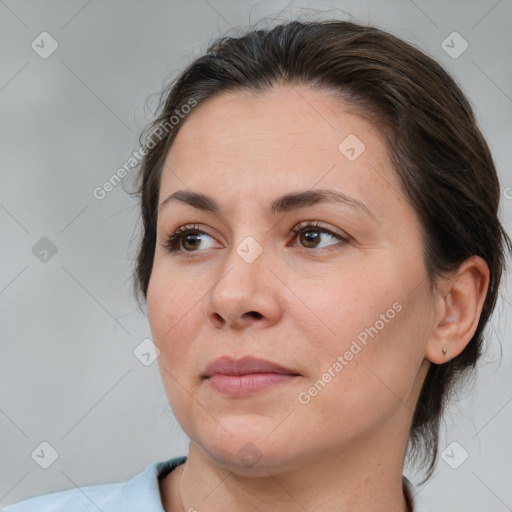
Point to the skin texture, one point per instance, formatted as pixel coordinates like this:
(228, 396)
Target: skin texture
(345, 448)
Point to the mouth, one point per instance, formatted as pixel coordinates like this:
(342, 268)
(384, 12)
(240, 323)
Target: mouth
(246, 365)
(247, 375)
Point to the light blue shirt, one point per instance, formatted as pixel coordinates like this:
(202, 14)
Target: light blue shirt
(139, 494)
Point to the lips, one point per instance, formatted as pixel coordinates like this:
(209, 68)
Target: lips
(246, 365)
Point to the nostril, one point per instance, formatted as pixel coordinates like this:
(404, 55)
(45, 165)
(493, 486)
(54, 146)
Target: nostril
(254, 314)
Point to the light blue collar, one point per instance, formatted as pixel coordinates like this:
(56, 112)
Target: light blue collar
(142, 492)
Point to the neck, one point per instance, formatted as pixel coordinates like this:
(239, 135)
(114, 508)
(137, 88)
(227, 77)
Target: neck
(365, 477)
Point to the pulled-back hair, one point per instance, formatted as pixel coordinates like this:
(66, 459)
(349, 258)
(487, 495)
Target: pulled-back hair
(434, 143)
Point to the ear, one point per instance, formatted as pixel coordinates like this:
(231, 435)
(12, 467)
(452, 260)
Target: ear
(459, 302)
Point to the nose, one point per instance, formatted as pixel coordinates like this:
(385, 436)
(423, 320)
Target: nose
(245, 294)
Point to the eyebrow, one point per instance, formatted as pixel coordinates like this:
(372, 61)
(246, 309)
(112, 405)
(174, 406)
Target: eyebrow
(284, 203)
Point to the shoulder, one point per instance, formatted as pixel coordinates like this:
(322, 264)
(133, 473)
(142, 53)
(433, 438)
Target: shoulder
(85, 499)
(139, 493)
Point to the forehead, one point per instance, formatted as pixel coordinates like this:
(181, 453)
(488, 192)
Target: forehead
(269, 124)
(281, 139)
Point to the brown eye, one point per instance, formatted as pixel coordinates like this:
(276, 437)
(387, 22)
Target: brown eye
(186, 239)
(310, 238)
(312, 235)
(190, 241)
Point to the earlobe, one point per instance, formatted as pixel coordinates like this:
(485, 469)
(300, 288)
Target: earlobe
(460, 305)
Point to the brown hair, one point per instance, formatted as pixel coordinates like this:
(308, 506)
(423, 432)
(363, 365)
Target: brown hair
(439, 154)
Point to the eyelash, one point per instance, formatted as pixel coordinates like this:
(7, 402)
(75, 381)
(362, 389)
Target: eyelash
(173, 240)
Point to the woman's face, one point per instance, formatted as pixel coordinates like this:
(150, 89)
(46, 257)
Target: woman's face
(343, 304)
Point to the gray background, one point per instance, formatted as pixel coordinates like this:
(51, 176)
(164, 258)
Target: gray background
(68, 374)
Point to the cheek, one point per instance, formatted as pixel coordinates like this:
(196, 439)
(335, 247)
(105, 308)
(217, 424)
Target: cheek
(175, 313)
(361, 384)
(346, 305)
(373, 322)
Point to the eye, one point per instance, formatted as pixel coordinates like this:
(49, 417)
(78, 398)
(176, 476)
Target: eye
(310, 235)
(186, 239)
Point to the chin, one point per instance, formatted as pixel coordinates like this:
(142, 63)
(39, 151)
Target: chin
(251, 452)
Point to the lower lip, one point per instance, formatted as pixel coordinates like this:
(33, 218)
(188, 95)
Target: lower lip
(247, 384)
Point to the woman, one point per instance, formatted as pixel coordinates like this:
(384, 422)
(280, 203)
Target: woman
(320, 254)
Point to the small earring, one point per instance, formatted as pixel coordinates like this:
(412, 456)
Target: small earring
(444, 351)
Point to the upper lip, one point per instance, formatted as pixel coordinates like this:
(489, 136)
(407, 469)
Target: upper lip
(228, 366)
